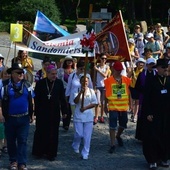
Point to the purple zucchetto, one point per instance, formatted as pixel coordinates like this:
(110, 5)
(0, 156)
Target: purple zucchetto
(51, 67)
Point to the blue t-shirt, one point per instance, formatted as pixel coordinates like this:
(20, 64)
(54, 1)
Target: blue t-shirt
(17, 104)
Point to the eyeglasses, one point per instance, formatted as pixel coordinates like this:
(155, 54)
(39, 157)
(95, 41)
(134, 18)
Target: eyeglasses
(103, 58)
(19, 72)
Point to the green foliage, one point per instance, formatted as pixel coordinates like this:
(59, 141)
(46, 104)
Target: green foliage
(4, 27)
(25, 10)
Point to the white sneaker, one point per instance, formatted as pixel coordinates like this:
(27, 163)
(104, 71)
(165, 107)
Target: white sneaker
(85, 157)
(153, 166)
(164, 164)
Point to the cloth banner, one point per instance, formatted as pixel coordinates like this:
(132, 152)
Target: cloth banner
(45, 29)
(112, 40)
(60, 46)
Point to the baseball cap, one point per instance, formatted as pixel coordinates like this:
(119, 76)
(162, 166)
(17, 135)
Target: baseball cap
(117, 66)
(141, 60)
(150, 60)
(149, 35)
(131, 40)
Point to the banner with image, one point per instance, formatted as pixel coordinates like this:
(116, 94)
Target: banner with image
(112, 40)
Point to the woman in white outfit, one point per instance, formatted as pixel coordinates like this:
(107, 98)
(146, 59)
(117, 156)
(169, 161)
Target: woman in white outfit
(74, 80)
(83, 117)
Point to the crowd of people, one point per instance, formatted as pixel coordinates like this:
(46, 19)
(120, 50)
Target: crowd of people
(140, 87)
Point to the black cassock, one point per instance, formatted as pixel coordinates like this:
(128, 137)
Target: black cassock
(47, 112)
(156, 134)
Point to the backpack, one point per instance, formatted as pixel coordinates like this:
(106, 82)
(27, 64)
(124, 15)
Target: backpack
(163, 35)
(5, 98)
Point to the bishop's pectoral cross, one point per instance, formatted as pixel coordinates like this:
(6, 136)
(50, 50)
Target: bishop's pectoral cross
(49, 96)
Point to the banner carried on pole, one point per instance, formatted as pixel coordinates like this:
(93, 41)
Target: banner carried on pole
(45, 29)
(60, 46)
(112, 40)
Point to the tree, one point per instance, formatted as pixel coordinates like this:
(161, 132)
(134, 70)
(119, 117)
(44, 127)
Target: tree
(25, 10)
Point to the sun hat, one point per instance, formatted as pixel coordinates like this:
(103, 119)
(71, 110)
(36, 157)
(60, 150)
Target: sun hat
(68, 57)
(150, 60)
(1, 56)
(149, 35)
(131, 40)
(137, 26)
(140, 60)
(15, 66)
(117, 66)
(158, 25)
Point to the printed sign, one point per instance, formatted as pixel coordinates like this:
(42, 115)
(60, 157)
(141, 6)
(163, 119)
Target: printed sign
(16, 32)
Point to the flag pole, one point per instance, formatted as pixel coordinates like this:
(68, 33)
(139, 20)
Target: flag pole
(87, 46)
(94, 71)
(7, 56)
(84, 82)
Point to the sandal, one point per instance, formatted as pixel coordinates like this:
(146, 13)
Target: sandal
(95, 121)
(5, 149)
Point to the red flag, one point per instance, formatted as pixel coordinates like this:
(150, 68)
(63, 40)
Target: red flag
(112, 40)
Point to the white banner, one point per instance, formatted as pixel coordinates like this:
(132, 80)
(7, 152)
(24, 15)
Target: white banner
(60, 46)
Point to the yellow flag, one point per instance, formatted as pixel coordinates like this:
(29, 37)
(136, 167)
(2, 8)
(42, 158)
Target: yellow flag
(16, 32)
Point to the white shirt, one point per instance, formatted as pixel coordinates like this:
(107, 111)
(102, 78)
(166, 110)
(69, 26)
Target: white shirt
(74, 82)
(99, 78)
(89, 98)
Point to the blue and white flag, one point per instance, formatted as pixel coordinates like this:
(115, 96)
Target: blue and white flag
(44, 25)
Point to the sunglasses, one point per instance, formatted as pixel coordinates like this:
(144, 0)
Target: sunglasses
(19, 72)
(104, 58)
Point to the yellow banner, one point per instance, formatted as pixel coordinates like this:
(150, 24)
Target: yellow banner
(16, 32)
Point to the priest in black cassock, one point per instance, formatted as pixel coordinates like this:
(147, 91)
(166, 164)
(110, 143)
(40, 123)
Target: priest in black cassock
(156, 107)
(49, 101)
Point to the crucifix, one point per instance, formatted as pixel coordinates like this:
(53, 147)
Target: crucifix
(49, 96)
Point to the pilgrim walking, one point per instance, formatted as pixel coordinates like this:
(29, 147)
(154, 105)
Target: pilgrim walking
(49, 100)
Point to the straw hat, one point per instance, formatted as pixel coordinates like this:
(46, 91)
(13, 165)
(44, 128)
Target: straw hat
(68, 57)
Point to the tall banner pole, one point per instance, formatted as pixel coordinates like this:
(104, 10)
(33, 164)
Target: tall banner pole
(87, 43)
(7, 56)
(94, 71)
(85, 71)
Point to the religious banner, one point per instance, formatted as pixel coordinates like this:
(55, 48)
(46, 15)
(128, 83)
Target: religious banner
(60, 46)
(112, 40)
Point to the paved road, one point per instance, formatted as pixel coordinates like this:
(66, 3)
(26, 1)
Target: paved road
(128, 157)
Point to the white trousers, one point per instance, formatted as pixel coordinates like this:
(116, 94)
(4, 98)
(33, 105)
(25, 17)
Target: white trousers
(82, 131)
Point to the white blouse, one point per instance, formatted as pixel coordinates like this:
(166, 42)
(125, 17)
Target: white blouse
(89, 98)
